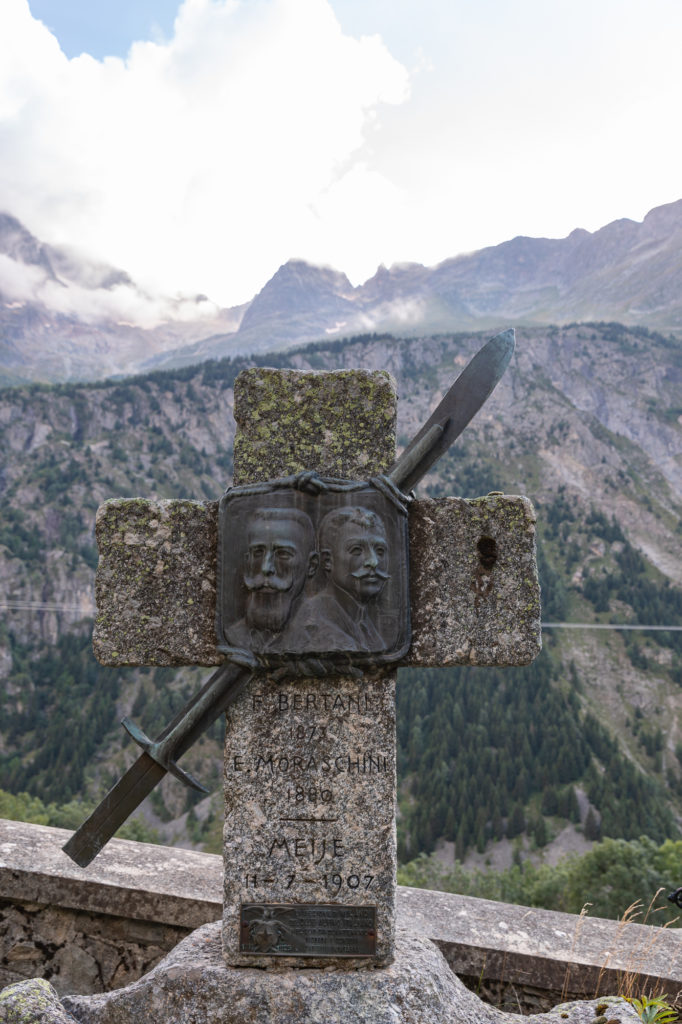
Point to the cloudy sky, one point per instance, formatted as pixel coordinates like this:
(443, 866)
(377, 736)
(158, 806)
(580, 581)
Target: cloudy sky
(199, 145)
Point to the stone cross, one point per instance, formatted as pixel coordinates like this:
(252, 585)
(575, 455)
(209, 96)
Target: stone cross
(310, 764)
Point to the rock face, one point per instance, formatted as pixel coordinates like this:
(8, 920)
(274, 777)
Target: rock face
(193, 986)
(32, 1002)
(300, 295)
(77, 950)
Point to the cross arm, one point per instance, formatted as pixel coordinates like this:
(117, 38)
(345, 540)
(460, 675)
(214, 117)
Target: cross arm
(474, 591)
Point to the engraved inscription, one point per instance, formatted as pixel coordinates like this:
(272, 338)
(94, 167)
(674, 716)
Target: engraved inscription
(307, 929)
(314, 849)
(279, 763)
(307, 777)
(327, 701)
(333, 882)
(308, 771)
(321, 754)
(309, 794)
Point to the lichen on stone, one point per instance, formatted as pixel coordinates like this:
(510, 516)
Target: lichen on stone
(291, 420)
(32, 1002)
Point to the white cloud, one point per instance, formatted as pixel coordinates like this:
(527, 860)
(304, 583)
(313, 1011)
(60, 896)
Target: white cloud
(262, 131)
(121, 303)
(203, 163)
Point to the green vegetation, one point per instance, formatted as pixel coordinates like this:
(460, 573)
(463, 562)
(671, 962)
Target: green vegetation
(20, 540)
(24, 807)
(68, 711)
(529, 744)
(610, 878)
(523, 739)
(654, 1011)
(68, 706)
(519, 740)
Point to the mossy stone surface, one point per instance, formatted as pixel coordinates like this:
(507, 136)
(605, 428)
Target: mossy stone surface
(305, 805)
(32, 1002)
(485, 607)
(156, 583)
(340, 423)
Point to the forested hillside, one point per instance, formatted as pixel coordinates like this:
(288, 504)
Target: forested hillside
(587, 423)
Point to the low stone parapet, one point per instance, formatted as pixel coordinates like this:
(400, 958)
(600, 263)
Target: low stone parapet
(98, 928)
(102, 927)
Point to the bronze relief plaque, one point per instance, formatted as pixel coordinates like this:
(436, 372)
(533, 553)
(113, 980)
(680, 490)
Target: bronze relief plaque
(307, 929)
(314, 575)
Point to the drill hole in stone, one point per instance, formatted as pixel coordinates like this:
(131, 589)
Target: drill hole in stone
(487, 552)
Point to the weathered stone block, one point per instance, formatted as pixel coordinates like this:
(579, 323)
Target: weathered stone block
(156, 582)
(307, 820)
(194, 985)
(151, 885)
(32, 1002)
(340, 423)
(474, 592)
(310, 779)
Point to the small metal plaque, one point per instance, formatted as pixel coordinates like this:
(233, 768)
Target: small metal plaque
(320, 574)
(307, 929)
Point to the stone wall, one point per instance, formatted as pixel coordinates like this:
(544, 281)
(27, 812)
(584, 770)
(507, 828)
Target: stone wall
(77, 951)
(102, 927)
(99, 928)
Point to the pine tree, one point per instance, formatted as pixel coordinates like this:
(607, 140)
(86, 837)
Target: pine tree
(550, 803)
(591, 828)
(517, 822)
(460, 844)
(540, 834)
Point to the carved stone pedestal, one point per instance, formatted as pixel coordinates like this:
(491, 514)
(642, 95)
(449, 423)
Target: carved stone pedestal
(193, 985)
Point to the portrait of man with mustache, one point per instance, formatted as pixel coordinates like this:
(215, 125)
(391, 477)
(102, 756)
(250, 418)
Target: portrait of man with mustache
(280, 556)
(354, 559)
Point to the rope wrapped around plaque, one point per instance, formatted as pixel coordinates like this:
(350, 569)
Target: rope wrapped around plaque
(313, 575)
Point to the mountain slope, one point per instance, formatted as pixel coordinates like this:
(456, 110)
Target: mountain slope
(627, 272)
(586, 422)
(63, 317)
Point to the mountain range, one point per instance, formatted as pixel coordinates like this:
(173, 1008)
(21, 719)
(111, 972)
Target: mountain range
(587, 422)
(63, 317)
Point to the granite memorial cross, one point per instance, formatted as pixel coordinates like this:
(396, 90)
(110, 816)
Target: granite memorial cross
(306, 562)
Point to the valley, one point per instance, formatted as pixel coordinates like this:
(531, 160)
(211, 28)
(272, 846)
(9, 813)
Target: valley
(587, 422)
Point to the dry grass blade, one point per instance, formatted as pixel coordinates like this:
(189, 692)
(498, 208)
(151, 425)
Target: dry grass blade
(576, 936)
(636, 975)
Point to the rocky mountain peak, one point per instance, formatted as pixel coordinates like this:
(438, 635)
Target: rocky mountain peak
(299, 288)
(664, 218)
(20, 245)
(628, 271)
